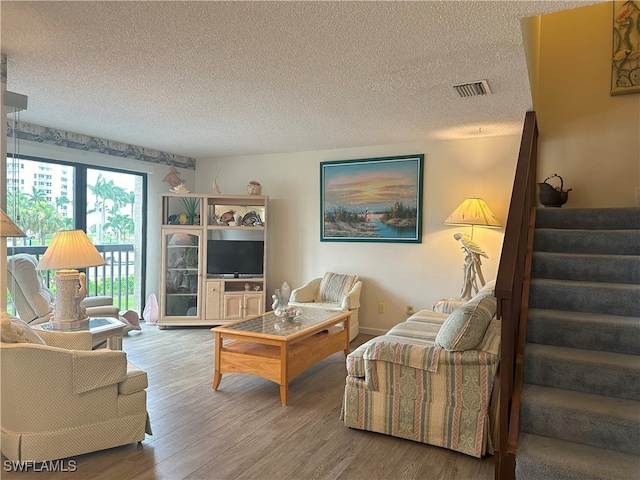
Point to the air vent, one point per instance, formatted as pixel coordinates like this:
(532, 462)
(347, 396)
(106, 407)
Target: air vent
(473, 89)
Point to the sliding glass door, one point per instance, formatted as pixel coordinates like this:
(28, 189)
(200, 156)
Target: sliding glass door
(44, 196)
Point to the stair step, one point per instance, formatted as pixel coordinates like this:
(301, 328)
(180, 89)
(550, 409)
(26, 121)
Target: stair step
(590, 331)
(614, 242)
(540, 457)
(599, 373)
(596, 420)
(577, 296)
(587, 267)
(589, 218)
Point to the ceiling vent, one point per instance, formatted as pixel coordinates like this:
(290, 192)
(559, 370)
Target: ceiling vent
(473, 89)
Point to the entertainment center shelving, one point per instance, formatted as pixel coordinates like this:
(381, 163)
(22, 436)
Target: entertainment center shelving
(213, 258)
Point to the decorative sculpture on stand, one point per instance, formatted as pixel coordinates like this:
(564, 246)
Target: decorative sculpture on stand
(472, 266)
(472, 211)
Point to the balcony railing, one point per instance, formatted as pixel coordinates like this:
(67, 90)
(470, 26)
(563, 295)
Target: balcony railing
(114, 279)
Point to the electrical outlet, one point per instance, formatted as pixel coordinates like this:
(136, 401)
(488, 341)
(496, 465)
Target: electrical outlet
(381, 308)
(410, 310)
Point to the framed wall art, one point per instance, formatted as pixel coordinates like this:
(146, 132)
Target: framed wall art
(625, 69)
(372, 200)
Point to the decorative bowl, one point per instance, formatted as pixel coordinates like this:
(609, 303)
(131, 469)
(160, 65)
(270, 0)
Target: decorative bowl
(287, 313)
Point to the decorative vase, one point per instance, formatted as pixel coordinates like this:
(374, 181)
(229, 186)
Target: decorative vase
(285, 291)
(254, 188)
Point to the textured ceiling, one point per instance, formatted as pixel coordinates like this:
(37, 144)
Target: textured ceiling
(206, 79)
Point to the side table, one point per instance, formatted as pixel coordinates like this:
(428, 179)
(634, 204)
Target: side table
(101, 328)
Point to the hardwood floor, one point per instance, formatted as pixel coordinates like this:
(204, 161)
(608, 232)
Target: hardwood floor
(242, 431)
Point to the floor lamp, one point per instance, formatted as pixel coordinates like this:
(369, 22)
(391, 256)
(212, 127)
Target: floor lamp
(472, 211)
(68, 251)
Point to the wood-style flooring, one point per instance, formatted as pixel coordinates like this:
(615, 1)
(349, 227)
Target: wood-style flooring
(242, 431)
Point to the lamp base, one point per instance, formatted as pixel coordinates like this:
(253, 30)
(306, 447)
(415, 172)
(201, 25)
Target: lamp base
(68, 314)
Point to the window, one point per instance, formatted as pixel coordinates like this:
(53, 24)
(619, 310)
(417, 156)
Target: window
(45, 196)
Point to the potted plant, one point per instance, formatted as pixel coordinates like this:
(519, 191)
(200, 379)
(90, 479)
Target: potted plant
(191, 206)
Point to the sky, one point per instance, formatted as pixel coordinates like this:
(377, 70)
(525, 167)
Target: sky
(370, 185)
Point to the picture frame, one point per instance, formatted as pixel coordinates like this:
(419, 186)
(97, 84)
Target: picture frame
(372, 200)
(625, 65)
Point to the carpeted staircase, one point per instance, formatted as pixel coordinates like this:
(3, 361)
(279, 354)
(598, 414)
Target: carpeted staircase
(580, 411)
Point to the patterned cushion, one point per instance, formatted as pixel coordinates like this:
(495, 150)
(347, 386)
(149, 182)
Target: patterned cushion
(334, 286)
(488, 289)
(15, 330)
(465, 327)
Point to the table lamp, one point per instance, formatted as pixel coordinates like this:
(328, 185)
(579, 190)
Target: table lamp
(70, 250)
(472, 211)
(8, 228)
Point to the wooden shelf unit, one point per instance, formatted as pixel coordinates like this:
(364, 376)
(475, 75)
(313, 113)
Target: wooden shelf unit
(189, 294)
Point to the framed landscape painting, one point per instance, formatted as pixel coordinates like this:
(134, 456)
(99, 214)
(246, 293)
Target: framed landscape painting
(372, 200)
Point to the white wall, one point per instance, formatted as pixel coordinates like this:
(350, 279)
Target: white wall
(587, 136)
(393, 274)
(155, 185)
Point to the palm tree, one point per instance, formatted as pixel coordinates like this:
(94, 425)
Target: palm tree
(121, 225)
(103, 191)
(61, 202)
(41, 217)
(131, 200)
(37, 195)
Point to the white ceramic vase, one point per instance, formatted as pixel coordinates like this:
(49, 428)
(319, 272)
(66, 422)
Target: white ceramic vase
(285, 291)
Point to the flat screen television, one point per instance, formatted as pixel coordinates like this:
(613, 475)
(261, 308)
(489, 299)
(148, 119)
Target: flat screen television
(235, 257)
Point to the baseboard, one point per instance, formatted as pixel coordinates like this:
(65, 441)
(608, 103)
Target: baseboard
(373, 331)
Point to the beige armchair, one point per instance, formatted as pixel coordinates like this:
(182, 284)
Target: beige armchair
(62, 399)
(34, 302)
(335, 291)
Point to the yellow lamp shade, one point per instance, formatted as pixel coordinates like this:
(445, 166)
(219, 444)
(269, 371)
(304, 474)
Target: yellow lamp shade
(473, 211)
(70, 249)
(8, 228)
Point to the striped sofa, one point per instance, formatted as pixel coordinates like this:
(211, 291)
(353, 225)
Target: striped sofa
(403, 384)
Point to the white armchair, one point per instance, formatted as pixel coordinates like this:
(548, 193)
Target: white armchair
(335, 291)
(62, 399)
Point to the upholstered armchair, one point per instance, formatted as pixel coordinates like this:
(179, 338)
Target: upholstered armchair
(59, 398)
(334, 291)
(34, 302)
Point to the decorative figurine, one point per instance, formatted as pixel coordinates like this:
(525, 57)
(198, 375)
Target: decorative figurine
(227, 217)
(214, 185)
(179, 189)
(172, 178)
(472, 265)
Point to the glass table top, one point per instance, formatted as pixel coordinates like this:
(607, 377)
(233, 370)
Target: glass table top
(93, 324)
(270, 324)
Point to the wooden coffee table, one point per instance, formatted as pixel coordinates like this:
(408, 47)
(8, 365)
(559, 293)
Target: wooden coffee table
(277, 349)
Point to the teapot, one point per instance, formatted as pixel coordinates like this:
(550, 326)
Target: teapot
(551, 196)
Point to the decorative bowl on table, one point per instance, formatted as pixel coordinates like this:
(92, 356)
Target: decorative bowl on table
(287, 313)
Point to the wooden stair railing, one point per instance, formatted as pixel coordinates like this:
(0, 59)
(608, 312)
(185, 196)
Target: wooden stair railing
(511, 292)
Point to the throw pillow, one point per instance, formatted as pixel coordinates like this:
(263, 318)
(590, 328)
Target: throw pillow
(334, 286)
(488, 289)
(465, 327)
(14, 330)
